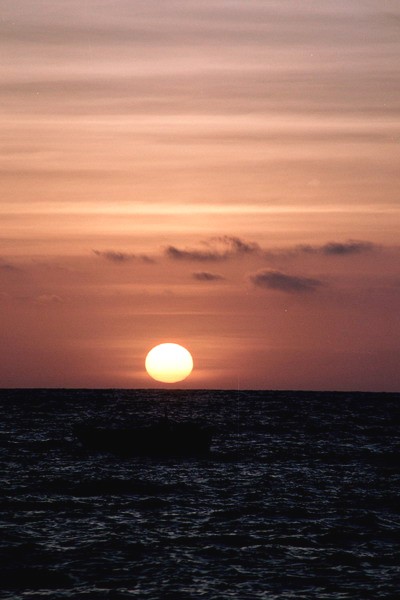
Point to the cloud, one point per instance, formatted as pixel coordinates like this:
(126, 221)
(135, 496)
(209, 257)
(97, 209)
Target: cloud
(350, 247)
(215, 249)
(276, 280)
(122, 257)
(196, 255)
(206, 276)
(345, 248)
(238, 246)
(339, 248)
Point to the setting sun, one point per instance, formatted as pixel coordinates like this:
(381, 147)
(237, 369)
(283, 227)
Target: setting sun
(169, 363)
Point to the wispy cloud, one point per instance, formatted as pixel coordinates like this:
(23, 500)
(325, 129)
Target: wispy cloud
(349, 247)
(122, 257)
(206, 276)
(215, 249)
(236, 245)
(277, 280)
(220, 248)
(193, 255)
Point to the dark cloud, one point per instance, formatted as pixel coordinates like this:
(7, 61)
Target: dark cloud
(114, 256)
(206, 276)
(329, 249)
(337, 248)
(196, 255)
(349, 247)
(121, 257)
(276, 280)
(238, 246)
(215, 249)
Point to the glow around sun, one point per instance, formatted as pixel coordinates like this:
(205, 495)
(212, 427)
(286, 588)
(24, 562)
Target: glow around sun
(169, 363)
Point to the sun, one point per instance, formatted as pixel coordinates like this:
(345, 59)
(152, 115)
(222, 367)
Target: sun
(169, 363)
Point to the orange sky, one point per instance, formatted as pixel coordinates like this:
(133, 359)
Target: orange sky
(222, 174)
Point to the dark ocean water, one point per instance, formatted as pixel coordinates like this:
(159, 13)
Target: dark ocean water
(298, 499)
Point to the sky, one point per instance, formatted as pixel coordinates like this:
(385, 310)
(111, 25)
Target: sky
(220, 174)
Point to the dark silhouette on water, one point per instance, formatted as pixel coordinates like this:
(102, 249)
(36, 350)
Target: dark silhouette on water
(165, 438)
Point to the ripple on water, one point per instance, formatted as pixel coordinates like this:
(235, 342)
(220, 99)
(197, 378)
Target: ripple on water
(298, 499)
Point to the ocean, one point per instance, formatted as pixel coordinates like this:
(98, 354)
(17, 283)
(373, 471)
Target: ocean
(298, 498)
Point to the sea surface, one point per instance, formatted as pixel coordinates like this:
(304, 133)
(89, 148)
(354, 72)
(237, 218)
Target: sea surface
(299, 498)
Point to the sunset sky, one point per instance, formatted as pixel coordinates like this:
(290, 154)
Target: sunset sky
(221, 174)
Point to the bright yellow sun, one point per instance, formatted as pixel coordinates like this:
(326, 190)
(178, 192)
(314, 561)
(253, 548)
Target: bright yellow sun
(169, 363)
